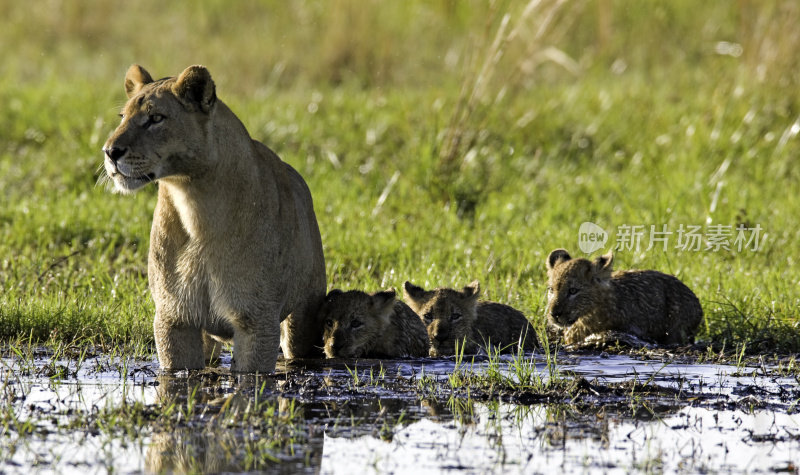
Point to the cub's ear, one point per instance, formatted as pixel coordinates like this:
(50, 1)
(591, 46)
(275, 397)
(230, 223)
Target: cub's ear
(383, 303)
(332, 295)
(135, 79)
(472, 290)
(196, 87)
(413, 292)
(603, 265)
(557, 257)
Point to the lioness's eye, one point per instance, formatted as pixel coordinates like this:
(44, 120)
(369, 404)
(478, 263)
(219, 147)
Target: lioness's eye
(356, 323)
(428, 317)
(156, 118)
(455, 316)
(572, 291)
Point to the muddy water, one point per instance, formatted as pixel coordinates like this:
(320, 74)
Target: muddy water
(745, 423)
(395, 416)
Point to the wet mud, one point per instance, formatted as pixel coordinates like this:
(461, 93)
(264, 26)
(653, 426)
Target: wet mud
(624, 412)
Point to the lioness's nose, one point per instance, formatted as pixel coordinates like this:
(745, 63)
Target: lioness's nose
(115, 153)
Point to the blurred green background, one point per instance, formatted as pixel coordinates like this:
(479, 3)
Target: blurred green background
(443, 141)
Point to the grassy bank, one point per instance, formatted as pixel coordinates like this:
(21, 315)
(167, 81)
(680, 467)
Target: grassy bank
(442, 141)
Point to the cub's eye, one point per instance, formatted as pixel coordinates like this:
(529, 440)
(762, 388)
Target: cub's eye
(454, 316)
(549, 290)
(356, 323)
(428, 317)
(328, 322)
(573, 290)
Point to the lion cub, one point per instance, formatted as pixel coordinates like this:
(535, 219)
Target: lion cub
(457, 317)
(586, 298)
(358, 324)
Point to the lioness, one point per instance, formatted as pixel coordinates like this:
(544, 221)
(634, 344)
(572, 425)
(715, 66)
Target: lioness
(585, 298)
(454, 317)
(358, 324)
(234, 248)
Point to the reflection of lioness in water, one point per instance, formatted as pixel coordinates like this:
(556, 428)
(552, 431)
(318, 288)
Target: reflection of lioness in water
(234, 247)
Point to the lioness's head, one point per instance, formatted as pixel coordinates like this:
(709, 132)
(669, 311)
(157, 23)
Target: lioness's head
(354, 321)
(449, 315)
(575, 286)
(164, 130)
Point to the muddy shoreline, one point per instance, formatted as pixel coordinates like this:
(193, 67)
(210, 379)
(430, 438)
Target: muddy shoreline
(302, 417)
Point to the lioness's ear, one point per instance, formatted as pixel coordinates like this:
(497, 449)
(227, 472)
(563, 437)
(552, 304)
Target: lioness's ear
(383, 303)
(472, 290)
(196, 87)
(556, 257)
(413, 292)
(135, 79)
(603, 266)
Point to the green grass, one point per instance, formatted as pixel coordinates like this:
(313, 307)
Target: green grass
(650, 126)
(519, 374)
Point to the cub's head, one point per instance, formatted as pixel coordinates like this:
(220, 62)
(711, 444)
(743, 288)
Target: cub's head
(164, 128)
(575, 287)
(449, 315)
(354, 320)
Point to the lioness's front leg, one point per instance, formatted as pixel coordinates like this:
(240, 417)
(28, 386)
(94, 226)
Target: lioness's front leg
(178, 346)
(177, 326)
(256, 341)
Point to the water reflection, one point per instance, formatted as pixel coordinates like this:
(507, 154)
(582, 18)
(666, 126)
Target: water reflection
(542, 439)
(341, 417)
(232, 424)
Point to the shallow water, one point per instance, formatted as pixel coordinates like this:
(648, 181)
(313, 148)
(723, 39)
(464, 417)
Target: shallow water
(539, 440)
(110, 415)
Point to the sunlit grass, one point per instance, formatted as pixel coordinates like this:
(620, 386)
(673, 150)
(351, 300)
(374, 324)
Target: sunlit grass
(660, 124)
